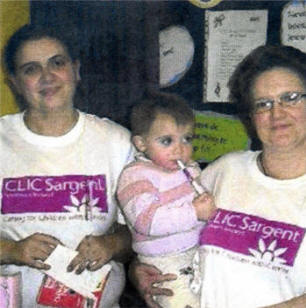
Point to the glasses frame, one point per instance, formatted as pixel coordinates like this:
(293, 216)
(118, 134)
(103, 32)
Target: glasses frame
(280, 100)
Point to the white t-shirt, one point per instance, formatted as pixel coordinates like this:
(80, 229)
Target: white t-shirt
(62, 186)
(253, 252)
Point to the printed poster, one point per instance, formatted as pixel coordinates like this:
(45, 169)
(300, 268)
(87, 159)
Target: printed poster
(216, 134)
(230, 36)
(293, 25)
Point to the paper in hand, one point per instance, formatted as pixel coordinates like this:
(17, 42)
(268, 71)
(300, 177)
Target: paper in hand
(85, 283)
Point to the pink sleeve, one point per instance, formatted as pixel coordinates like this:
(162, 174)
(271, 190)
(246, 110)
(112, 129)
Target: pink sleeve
(150, 212)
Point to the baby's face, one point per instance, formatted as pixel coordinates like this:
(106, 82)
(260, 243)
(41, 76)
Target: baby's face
(167, 142)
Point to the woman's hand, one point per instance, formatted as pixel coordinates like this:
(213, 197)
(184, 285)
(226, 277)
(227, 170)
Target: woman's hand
(94, 251)
(31, 251)
(144, 277)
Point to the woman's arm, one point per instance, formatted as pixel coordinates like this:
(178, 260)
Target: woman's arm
(31, 251)
(7, 248)
(297, 302)
(120, 243)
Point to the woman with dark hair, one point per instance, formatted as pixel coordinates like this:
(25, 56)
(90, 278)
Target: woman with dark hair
(253, 253)
(257, 62)
(59, 171)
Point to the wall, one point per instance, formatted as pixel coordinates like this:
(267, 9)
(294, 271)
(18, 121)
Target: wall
(192, 17)
(13, 14)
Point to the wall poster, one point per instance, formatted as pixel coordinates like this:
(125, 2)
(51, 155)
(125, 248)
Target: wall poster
(293, 26)
(216, 134)
(230, 36)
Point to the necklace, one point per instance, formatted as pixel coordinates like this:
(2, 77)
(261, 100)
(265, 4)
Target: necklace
(261, 164)
(267, 172)
(262, 168)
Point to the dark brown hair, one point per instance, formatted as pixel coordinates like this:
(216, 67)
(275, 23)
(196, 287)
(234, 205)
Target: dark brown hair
(144, 112)
(30, 32)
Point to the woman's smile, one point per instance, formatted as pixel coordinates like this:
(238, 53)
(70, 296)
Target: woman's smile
(49, 92)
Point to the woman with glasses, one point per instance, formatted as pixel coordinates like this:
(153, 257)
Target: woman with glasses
(253, 253)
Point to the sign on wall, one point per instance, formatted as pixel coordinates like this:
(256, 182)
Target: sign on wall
(14, 14)
(217, 134)
(293, 26)
(231, 35)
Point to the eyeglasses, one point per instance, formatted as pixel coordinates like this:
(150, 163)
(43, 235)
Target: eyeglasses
(288, 99)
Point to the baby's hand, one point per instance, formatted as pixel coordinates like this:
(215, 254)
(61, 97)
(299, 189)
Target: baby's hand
(204, 206)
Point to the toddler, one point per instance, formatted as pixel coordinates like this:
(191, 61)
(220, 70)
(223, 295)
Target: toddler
(162, 209)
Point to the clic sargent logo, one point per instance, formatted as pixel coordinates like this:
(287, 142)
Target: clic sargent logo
(239, 221)
(43, 194)
(49, 184)
(266, 240)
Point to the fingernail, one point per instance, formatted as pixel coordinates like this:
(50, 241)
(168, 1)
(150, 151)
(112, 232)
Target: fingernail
(69, 268)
